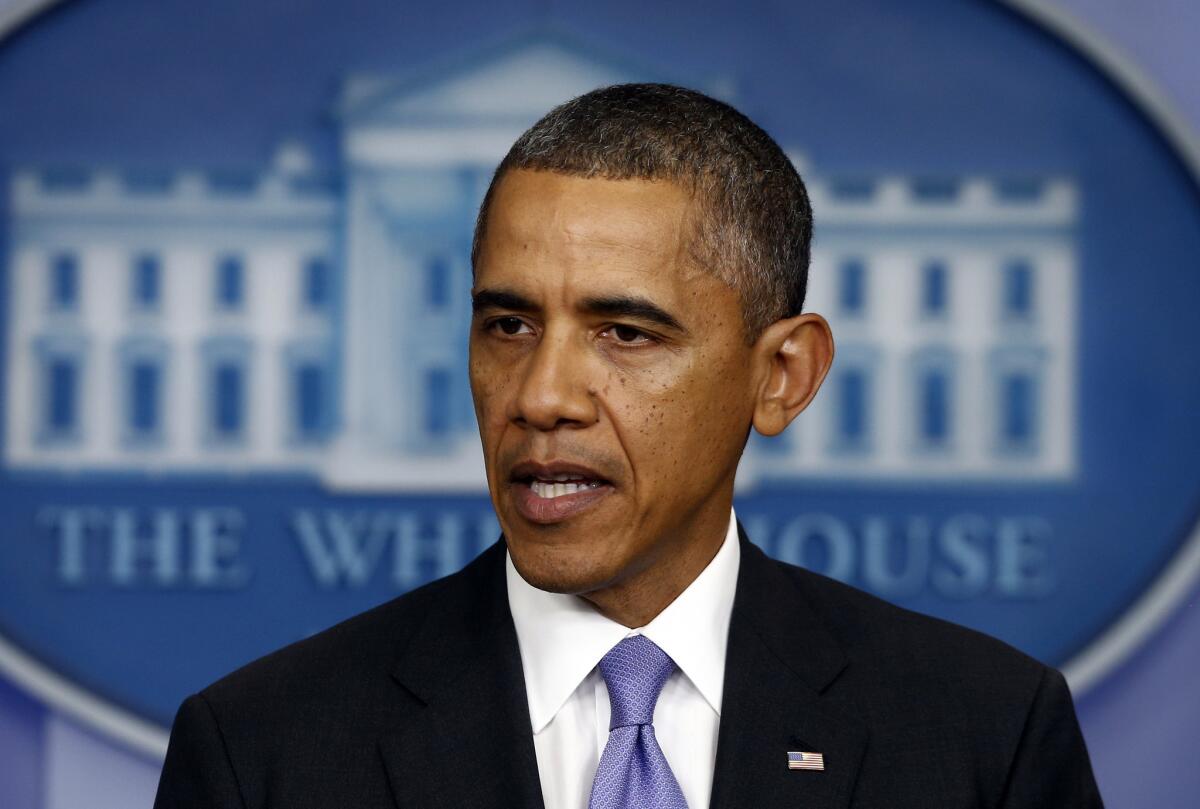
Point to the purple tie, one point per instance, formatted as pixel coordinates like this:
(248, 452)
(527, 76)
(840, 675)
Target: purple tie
(633, 771)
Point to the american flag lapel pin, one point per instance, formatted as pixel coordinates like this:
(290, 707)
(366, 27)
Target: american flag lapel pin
(806, 761)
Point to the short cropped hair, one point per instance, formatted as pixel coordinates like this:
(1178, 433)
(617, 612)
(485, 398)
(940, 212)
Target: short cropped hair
(755, 228)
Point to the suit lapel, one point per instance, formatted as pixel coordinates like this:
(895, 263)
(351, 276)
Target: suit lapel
(468, 741)
(779, 661)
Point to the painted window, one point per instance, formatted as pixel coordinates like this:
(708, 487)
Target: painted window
(1018, 409)
(437, 282)
(852, 287)
(143, 386)
(147, 281)
(228, 399)
(59, 410)
(145, 396)
(851, 383)
(1017, 390)
(1018, 296)
(62, 396)
(437, 402)
(230, 282)
(935, 406)
(64, 281)
(226, 375)
(310, 382)
(933, 376)
(852, 416)
(309, 369)
(934, 289)
(316, 284)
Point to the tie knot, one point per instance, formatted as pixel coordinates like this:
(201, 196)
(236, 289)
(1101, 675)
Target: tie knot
(634, 671)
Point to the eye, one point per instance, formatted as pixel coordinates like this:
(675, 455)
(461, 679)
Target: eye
(511, 326)
(628, 335)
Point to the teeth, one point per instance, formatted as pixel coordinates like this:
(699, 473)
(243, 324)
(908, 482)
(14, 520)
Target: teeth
(552, 488)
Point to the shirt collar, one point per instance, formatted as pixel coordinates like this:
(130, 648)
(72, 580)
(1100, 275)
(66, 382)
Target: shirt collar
(563, 637)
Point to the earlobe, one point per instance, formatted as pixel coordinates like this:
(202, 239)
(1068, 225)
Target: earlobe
(795, 355)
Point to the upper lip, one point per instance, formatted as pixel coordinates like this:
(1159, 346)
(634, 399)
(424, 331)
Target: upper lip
(551, 469)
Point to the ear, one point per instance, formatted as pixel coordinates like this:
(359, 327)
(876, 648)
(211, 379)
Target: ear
(794, 355)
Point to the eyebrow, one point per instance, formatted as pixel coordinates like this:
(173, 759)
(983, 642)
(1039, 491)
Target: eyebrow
(634, 307)
(484, 299)
(630, 306)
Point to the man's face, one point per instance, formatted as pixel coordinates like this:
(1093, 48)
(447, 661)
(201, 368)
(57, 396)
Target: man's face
(611, 378)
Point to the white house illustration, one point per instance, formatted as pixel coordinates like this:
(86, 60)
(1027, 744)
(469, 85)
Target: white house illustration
(309, 320)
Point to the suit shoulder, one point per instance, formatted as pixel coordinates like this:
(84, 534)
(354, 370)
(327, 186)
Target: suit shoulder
(877, 633)
(363, 646)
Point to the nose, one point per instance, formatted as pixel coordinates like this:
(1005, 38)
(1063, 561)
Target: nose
(554, 389)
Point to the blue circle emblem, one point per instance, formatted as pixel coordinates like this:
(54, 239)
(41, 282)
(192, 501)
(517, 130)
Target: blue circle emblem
(234, 401)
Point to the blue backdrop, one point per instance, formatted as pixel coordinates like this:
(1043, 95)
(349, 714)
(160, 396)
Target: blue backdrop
(234, 408)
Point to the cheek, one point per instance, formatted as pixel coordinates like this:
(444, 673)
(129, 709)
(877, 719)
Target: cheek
(692, 413)
(488, 390)
(711, 411)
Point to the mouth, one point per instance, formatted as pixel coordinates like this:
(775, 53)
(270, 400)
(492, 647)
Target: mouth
(554, 492)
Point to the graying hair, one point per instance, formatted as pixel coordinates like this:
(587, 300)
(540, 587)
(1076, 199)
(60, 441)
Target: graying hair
(755, 228)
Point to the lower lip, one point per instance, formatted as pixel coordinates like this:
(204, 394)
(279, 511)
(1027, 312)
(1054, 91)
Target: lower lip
(550, 510)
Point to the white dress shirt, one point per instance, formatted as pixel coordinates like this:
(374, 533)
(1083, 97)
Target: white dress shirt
(562, 639)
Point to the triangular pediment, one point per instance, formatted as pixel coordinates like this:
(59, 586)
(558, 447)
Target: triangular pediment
(517, 81)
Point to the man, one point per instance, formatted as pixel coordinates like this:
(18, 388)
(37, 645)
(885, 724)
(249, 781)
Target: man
(640, 263)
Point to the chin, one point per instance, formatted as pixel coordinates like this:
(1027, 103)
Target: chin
(558, 569)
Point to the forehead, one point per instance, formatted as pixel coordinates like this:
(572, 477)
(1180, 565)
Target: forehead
(541, 220)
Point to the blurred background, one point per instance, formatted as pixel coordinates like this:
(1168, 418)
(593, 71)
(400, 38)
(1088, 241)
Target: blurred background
(234, 240)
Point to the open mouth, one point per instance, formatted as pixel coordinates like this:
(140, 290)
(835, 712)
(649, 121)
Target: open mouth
(561, 485)
(551, 493)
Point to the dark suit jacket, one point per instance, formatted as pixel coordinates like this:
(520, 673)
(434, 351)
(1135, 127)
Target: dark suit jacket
(421, 703)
